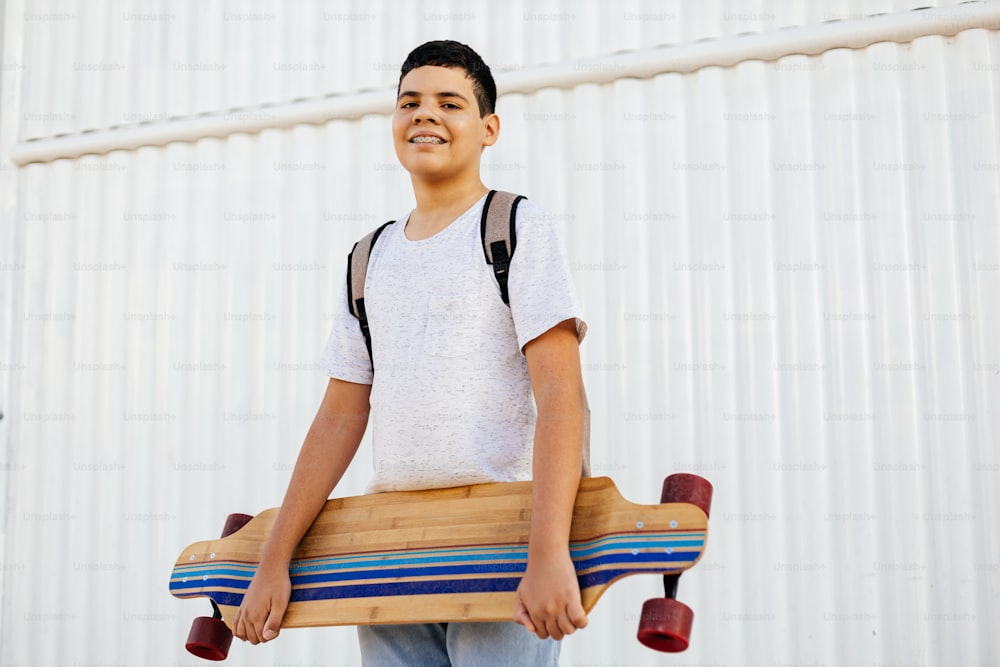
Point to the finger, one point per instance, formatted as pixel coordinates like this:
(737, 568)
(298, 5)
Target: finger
(272, 626)
(577, 615)
(566, 626)
(237, 619)
(522, 616)
(554, 628)
(251, 628)
(541, 626)
(244, 628)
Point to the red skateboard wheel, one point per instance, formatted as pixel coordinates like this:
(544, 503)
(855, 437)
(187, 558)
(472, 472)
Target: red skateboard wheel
(665, 625)
(684, 487)
(209, 638)
(234, 522)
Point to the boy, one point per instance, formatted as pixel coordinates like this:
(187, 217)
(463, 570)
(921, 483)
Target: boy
(455, 372)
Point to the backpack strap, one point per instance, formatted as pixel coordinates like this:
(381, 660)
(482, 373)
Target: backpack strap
(499, 235)
(357, 271)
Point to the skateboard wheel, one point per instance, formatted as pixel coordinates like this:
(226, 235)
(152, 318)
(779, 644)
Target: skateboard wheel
(209, 638)
(234, 522)
(684, 487)
(665, 625)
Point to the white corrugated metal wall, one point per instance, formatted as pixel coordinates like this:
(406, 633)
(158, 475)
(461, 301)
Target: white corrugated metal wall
(790, 269)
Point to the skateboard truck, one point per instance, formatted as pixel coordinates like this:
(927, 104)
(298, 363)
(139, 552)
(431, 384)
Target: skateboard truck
(210, 637)
(665, 623)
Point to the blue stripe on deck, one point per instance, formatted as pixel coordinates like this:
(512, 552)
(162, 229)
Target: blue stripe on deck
(450, 556)
(214, 579)
(638, 555)
(434, 587)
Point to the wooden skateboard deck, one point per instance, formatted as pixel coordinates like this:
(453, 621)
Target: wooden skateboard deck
(443, 555)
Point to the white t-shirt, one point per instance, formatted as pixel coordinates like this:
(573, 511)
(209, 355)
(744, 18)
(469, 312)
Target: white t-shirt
(451, 400)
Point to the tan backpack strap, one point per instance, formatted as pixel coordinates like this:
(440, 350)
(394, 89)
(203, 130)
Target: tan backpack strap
(499, 235)
(357, 271)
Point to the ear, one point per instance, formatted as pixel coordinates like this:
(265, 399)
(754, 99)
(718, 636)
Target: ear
(491, 129)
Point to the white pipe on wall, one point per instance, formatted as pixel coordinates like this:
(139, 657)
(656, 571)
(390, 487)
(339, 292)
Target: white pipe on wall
(801, 40)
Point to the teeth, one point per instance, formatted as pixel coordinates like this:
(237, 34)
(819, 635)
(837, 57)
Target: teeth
(427, 140)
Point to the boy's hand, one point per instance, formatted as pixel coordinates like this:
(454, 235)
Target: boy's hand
(548, 598)
(259, 617)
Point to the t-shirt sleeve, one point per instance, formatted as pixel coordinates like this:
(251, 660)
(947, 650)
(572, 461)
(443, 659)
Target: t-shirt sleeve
(541, 287)
(345, 356)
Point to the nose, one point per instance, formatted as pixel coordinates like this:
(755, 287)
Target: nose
(425, 113)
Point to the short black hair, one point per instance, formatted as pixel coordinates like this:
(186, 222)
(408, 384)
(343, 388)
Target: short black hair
(448, 53)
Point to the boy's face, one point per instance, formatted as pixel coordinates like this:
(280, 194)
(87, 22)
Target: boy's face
(439, 105)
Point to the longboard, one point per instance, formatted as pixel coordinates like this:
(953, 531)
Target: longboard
(449, 555)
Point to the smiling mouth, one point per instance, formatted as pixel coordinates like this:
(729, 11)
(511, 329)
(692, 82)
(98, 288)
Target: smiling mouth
(426, 140)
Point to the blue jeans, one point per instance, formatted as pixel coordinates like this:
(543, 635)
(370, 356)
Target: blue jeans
(457, 644)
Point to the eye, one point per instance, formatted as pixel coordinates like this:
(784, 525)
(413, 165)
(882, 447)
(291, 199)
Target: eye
(450, 105)
(407, 105)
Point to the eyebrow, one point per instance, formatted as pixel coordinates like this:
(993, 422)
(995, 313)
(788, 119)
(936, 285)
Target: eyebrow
(446, 93)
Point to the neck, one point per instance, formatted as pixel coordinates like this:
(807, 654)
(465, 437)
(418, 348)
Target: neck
(436, 198)
(438, 204)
